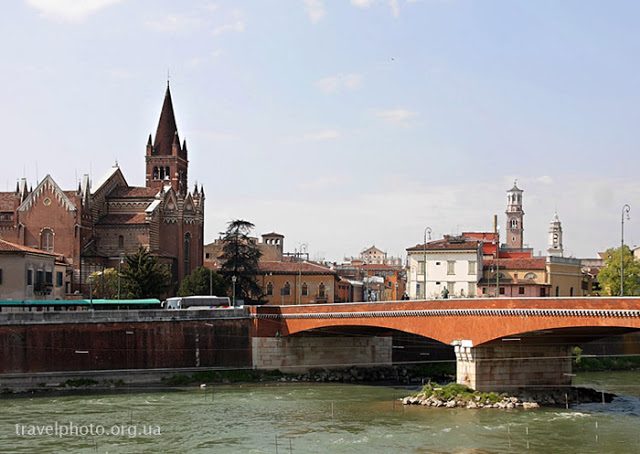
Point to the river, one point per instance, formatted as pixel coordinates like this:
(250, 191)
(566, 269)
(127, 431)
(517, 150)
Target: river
(314, 418)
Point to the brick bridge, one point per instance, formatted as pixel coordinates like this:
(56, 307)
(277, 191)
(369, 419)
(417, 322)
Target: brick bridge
(499, 343)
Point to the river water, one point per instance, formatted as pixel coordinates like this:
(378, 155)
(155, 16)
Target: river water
(314, 418)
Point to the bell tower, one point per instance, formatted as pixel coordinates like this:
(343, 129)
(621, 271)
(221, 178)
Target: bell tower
(166, 158)
(515, 218)
(555, 237)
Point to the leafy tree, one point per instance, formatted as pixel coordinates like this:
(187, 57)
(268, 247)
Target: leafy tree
(144, 277)
(104, 283)
(609, 275)
(240, 256)
(197, 283)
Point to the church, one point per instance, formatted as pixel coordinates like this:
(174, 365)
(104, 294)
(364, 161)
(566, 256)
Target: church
(96, 225)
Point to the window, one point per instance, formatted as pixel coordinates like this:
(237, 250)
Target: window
(286, 290)
(0, 276)
(437, 283)
(206, 256)
(305, 289)
(155, 173)
(437, 263)
(557, 291)
(186, 252)
(472, 267)
(59, 278)
(167, 173)
(321, 290)
(543, 292)
(450, 288)
(514, 223)
(269, 289)
(46, 240)
(484, 290)
(502, 290)
(48, 278)
(515, 275)
(571, 291)
(530, 276)
(29, 277)
(120, 242)
(421, 267)
(451, 267)
(520, 290)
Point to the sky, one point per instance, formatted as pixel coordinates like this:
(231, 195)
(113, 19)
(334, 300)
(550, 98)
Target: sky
(341, 124)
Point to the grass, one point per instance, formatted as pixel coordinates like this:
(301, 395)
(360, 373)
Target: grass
(222, 376)
(459, 392)
(78, 382)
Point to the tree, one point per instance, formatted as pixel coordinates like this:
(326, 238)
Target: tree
(144, 277)
(609, 275)
(104, 283)
(203, 281)
(240, 256)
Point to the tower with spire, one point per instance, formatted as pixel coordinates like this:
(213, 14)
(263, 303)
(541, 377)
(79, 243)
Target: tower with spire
(166, 159)
(515, 218)
(555, 237)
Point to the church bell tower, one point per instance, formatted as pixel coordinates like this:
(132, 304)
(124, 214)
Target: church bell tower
(515, 218)
(555, 237)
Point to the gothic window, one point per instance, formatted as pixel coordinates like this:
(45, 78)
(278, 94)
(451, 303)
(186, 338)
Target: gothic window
(46, 240)
(120, 242)
(155, 173)
(514, 223)
(321, 290)
(187, 252)
(269, 289)
(305, 289)
(161, 173)
(286, 290)
(167, 173)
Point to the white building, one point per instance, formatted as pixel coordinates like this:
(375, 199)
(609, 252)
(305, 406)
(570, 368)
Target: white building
(454, 263)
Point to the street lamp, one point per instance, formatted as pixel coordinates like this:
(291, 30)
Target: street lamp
(625, 210)
(427, 231)
(233, 280)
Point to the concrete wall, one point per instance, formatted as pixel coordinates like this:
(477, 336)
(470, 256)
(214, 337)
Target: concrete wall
(302, 353)
(509, 366)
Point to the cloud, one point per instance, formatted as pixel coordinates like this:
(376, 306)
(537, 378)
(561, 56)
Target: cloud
(172, 23)
(396, 116)
(315, 10)
(394, 5)
(362, 3)
(319, 136)
(395, 8)
(70, 10)
(335, 83)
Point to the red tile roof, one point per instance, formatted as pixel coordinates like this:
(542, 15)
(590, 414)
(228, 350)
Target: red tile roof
(127, 191)
(128, 219)
(294, 268)
(380, 267)
(7, 247)
(447, 244)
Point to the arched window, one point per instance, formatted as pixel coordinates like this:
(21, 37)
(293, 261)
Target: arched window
(530, 276)
(557, 291)
(186, 253)
(46, 240)
(286, 290)
(167, 173)
(514, 223)
(321, 290)
(305, 289)
(155, 173)
(161, 174)
(269, 289)
(120, 242)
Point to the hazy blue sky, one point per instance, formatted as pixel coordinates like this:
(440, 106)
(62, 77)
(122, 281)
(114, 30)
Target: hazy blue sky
(341, 124)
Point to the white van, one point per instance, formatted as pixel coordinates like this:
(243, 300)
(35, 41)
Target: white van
(197, 302)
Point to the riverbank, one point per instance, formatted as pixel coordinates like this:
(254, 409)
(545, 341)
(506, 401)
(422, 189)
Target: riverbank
(454, 395)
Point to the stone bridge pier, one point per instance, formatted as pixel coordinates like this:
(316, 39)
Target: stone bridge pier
(510, 364)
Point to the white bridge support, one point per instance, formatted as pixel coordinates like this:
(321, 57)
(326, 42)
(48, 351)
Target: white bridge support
(511, 364)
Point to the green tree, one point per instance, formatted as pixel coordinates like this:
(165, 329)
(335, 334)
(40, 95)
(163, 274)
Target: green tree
(609, 275)
(203, 281)
(104, 283)
(144, 277)
(240, 256)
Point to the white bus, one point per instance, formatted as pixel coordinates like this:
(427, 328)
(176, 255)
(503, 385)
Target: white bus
(197, 302)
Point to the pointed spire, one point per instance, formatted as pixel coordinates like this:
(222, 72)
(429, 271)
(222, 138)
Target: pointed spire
(184, 146)
(167, 130)
(149, 141)
(202, 191)
(195, 188)
(17, 186)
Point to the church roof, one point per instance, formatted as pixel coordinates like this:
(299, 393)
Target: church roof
(128, 191)
(167, 130)
(126, 219)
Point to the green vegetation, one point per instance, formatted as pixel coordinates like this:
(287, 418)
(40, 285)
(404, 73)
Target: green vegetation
(609, 275)
(144, 277)
(240, 256)
(588, 364)
(458, 392)
(203, 281)
(436, 371)
(78, 382)
(104, 283)
(223, 376)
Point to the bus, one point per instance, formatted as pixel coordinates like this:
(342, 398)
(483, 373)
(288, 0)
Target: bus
(197, 302)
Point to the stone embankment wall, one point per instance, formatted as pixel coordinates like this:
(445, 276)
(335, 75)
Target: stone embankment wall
(299, 354)
(45, 342)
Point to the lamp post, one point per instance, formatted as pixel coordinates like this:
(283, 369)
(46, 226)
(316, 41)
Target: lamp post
(625, 210)
(427, 231)
(233, 280)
